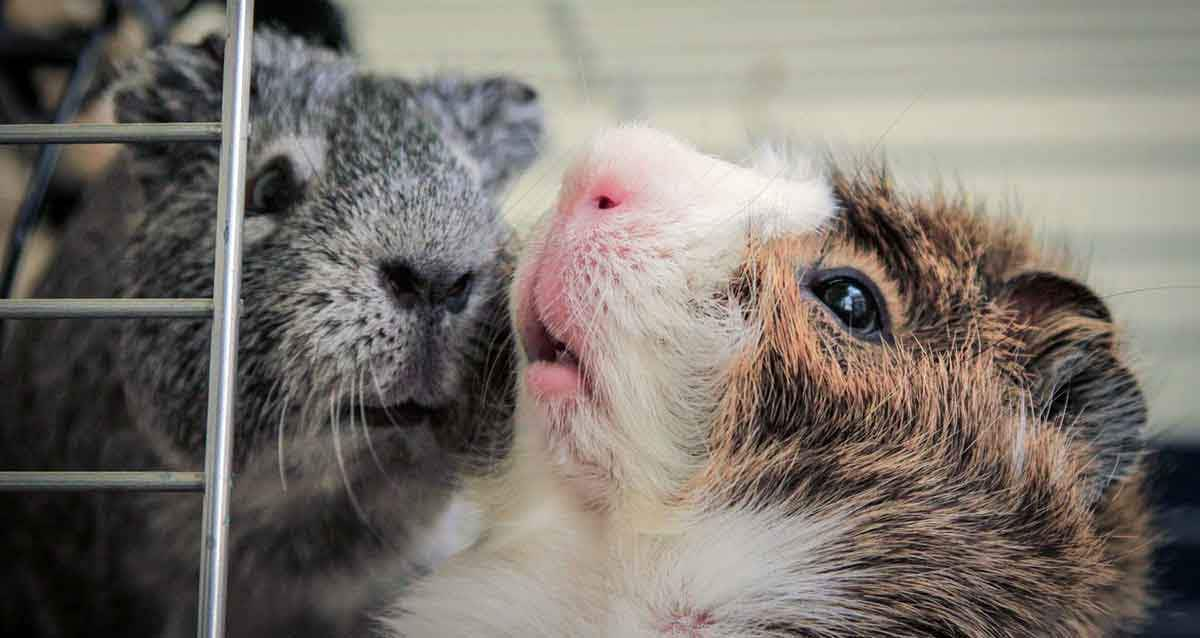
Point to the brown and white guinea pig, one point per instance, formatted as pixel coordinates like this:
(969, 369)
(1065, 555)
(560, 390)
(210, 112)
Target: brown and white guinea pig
(775, 401)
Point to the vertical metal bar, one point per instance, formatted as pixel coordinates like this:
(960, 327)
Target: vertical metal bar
(222, 369)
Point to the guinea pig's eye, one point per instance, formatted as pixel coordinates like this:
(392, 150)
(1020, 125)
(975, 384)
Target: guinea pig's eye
(274, 189)
(854, 300)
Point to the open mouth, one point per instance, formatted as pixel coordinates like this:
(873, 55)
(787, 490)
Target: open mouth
(554, 370)
(400, 415)
(543, 347)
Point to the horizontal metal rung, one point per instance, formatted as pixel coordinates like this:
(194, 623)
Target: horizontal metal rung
(108, 133)
(108, 481)
(105, 308)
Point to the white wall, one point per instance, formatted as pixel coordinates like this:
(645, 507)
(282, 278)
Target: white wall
(1087, 112)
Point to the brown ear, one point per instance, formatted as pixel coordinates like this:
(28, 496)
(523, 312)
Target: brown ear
(1077, 379)
(1035, 295)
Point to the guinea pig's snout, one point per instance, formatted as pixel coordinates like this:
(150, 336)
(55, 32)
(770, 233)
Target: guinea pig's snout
(410, 287)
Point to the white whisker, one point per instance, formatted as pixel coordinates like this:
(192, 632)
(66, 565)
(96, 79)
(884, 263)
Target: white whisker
(334, 405)
(287, 396)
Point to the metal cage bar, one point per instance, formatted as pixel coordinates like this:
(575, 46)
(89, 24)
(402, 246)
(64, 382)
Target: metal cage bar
(105, 308)
(109, 133)
(222, 371)
(223, 308)
(95, 481)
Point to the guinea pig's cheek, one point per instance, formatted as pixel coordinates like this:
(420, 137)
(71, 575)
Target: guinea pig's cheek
(257, 228)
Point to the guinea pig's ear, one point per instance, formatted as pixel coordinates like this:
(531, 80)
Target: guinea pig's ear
(498, 119)
(173, 83)
(1078, 380)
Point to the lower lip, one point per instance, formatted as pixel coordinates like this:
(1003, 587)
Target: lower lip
(553, 381)
(402, 415)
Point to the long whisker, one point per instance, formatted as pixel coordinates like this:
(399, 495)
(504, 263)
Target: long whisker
(379, 392)
(894, 123)
(367, 430)
(1122, 293)
(265, 407)
(287, 396)
(334, 405)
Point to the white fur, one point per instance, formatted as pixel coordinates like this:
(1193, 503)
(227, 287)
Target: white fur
(456, 529)
(708, 574)
(663, 334)
(579, 539)
(554, 572)
(703, 206)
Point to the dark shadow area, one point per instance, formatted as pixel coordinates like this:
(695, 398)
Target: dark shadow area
(1174, 477)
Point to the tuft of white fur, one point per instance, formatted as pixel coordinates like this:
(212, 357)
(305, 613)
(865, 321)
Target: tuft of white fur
(555, 574)
(709, 577)
(534, 572)
(457, 528)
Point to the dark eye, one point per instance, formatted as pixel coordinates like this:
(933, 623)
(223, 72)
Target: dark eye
(854, 300)
(274, 189)
(459, 287)
(456, 296)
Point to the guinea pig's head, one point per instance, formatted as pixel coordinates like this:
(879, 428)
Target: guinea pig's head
(887, 415)
(374, 257)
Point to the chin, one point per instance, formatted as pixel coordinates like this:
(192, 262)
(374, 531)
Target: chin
(569, 436)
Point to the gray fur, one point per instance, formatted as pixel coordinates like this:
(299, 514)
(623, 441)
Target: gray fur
(325, 508)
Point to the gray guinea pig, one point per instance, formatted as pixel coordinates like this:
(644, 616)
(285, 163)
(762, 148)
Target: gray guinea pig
(372, 357)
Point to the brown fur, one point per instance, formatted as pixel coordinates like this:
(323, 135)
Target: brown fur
(756, 469)
(962, 524)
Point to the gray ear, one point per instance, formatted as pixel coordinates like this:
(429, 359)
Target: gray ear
(498, 119)
(173, 83)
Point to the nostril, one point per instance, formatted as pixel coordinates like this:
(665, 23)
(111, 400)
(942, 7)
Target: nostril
(458, 294)
(522, 93)
(604, 202)
(403, 282)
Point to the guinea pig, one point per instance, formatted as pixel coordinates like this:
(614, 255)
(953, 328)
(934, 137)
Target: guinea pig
(788, 399)
(372, 359)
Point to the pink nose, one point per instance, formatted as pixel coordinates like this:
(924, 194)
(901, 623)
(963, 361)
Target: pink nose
(587, 193)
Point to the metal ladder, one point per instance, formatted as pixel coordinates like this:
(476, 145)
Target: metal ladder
(223, 308)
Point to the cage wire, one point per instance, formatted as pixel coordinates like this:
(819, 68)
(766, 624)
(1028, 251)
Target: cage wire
(84, 56)
(222, 308)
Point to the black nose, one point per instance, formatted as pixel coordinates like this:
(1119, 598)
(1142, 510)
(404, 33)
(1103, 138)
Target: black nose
(411, 287)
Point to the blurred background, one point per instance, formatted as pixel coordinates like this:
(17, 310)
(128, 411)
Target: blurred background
(1082, 115)
(1079, 115)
